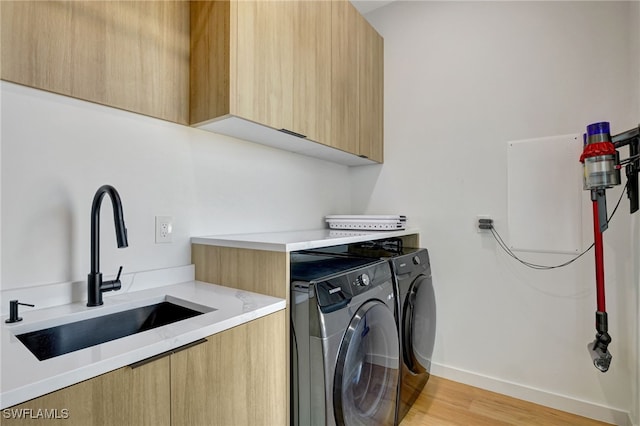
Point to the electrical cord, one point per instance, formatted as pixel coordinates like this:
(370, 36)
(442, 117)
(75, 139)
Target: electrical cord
(629, 160)
(507, 250)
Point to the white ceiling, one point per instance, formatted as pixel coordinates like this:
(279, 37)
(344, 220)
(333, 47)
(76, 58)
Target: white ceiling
(366, 6)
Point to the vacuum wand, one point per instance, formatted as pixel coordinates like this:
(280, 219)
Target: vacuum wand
(598, 348)
(601, 171)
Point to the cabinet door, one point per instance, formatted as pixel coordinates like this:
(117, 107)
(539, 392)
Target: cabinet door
(210, 63)
(264, 62)
(371, 91)
(312, 70)
(239, 377)
(131, 55)
(344, 90)
(128, 396)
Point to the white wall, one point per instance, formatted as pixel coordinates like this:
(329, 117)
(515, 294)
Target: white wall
(57, 151)
(635, 249)
(1, 126)
(461, 80)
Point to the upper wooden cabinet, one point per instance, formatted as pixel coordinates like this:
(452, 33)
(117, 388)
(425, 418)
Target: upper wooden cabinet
(312, 76)
(126, 54)
(344, 89)
(370, 91)
(242, 61)
(264, 55)
(358, 83)
(261, 68)
(299, 75)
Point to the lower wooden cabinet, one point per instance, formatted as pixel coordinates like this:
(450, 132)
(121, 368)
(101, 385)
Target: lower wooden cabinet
(237, 377)
(127, 396)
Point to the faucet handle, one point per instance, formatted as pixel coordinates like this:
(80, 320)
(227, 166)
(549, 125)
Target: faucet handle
(112, 285)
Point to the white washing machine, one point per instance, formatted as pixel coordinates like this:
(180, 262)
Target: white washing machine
(345, 345)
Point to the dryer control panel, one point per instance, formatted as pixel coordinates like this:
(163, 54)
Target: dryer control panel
(414, 262)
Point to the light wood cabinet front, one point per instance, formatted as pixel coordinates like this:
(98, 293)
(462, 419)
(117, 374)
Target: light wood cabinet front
(309, 67)
(344, 66)
(370, 91)
(239, 377)
(242, 61)
(312, 70)
(125, 54)
(127, 396)
(264, 89)
(236, 377)
(259, 271)
(357, 83)
(265, 61)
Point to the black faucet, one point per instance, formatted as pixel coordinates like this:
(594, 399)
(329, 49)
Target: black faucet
(95, 285)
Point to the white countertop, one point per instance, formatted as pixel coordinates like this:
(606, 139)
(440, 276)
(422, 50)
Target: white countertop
(297, 240)
(24, 377)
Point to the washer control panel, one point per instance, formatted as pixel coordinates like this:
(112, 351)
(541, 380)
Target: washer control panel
(342, 287)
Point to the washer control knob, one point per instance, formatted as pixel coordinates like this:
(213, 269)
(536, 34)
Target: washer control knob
(363, 280)
(416, 260)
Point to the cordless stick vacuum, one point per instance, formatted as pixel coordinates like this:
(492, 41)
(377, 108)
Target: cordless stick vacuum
(602, 165)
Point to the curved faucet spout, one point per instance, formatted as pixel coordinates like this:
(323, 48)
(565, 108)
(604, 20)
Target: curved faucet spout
(94, 282)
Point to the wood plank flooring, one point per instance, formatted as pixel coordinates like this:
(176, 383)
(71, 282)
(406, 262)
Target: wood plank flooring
(447, 403)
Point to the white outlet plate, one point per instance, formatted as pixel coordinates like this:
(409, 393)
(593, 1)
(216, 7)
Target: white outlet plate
(164, 229)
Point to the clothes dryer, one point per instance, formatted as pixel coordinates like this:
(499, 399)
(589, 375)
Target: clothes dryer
(345, 345)
(416, 322)
(416, 311)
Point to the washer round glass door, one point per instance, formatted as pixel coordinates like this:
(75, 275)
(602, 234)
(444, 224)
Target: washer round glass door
(419, 325)
(366, 378)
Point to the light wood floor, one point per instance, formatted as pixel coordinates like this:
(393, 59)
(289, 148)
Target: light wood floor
(447, 403)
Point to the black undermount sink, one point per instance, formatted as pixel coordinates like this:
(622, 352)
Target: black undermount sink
(55, 341)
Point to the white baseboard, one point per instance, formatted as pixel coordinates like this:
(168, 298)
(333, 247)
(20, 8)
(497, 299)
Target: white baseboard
(537, 396)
